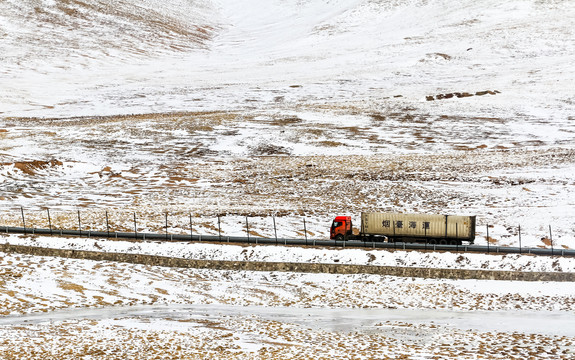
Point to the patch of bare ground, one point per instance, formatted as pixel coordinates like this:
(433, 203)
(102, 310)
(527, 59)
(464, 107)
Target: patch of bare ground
(211, 118)
(137, 22)
(285, 121)
(459, 94)
(31, 167)
(269, 149)
(492, 240)
(66, 285)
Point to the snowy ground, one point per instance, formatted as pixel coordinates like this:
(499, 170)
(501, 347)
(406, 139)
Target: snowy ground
(306, 254)
(504, 189)
(105, 58)
(293, 109)
(73, 308)
(114, 310)
(315, 108)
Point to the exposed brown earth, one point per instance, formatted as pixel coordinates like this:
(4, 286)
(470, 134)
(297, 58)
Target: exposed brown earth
(31, 167)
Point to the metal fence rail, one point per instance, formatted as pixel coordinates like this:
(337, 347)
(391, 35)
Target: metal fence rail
(284, 241)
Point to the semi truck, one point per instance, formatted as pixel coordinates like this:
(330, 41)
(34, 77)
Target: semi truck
(395, 227)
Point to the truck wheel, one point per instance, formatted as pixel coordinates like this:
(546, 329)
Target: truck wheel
(339, 237)
(454, 242)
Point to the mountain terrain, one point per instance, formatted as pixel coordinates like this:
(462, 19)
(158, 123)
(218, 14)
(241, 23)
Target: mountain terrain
(301, 108)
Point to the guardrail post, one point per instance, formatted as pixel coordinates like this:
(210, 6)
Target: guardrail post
(520, 239)
(135, 227)
(487, 238)
(107, 224)
(49, 221)
(219, 228)
(191, 229)
(425, 230)
(248, 229)
(79, 223)
(166, 226)
(551, 239)
(305, 230)
(393, 235)
(23, 219)
(275, 229)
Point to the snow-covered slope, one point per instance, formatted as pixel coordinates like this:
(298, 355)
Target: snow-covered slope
(98, 57)
(300, 109)
(390, 105)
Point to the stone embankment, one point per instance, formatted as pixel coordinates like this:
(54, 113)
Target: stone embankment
(152, 260)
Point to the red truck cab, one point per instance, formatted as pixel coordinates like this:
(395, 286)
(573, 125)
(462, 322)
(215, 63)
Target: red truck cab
(341, 228)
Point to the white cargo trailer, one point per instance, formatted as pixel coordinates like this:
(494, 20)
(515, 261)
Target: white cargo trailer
(393, 227)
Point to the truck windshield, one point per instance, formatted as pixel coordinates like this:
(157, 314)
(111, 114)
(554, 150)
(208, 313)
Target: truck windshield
(336, 224)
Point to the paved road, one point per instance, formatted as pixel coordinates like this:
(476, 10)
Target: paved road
(347, 320)
(258, 240)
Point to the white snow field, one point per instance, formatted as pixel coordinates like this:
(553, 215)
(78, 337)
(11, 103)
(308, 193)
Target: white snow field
(293, 109)
(315, 108)
(67, 309)
(71, 58)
